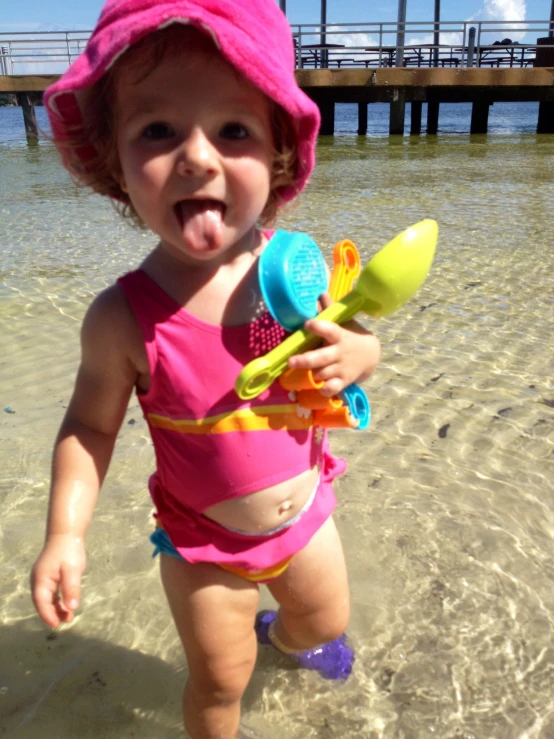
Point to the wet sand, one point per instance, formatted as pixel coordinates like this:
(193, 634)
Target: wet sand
(446, 509)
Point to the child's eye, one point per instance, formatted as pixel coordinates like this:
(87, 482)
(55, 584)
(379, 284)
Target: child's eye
(157, 131)
(234, 131)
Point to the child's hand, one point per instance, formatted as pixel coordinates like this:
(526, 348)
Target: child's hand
(350, 353)
(56, 578)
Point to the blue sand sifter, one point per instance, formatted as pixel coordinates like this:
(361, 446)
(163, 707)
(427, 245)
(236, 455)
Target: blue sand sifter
(292, 276)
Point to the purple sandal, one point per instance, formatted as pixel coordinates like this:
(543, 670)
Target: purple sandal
(332, 660)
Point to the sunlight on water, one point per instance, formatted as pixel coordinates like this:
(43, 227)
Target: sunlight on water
(446, 510)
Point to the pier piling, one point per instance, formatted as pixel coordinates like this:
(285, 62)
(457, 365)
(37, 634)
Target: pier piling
(480, 116)
(362, 119)
(327, 112)
(29, 117)
(546, 117)
(397, 112)
(416, 108)
(432, 118)
(545, 58)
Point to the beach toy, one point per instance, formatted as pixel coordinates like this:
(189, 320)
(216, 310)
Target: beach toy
(359, 410)
(292, 275)
(299, 379)
(346, 268)
(347, 265)
(389, 279)
(349, 409)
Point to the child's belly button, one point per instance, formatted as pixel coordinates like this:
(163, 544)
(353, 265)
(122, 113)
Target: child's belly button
(285, 506)
(268, 508)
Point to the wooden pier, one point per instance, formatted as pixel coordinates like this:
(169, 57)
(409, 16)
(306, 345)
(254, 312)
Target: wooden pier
(433, 86)
(395, 85)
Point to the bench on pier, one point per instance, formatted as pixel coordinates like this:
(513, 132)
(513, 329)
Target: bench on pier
(499, 61)
(340, 62)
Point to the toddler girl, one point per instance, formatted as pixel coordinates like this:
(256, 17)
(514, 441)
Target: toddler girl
(187, 113)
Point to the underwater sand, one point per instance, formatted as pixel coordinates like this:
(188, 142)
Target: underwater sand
(446, 510)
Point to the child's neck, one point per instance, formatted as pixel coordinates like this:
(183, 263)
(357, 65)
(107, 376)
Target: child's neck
(222, 292)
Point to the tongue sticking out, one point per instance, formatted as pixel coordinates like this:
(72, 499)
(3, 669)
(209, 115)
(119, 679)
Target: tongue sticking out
(201, 223)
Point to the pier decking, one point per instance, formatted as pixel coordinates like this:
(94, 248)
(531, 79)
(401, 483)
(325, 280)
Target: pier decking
(395, 85)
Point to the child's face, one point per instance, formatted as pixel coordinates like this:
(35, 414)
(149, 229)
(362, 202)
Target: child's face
(195, 149)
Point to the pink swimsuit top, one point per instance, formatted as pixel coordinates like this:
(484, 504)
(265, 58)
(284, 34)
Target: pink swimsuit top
(210, 445)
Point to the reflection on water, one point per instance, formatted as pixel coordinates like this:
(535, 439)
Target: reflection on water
(447, 507)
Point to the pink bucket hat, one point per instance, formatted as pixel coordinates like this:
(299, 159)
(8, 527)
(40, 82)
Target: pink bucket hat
(253, 35)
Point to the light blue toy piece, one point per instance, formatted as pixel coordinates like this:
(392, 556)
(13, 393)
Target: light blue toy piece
(292, 275)
(358, 404)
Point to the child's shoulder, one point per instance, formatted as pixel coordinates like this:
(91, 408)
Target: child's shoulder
(110, 308)
(110, 325)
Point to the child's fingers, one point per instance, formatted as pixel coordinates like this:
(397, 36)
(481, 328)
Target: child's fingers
(330, 332)
(325, 300)
(70, 587)
(332, 387)
(315, 359)
(45, 599)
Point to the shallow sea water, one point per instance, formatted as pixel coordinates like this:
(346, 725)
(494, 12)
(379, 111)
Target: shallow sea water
(446, 511)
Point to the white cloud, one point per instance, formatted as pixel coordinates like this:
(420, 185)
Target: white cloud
(501, 11)
(354, 40)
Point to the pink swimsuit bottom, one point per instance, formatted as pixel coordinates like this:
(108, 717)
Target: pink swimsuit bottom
(256, 557)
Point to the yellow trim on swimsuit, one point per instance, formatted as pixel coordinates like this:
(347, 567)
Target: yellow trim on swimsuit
(268, 573)
(257, 418)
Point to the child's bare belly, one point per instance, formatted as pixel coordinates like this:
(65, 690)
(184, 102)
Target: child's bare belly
(268, 508)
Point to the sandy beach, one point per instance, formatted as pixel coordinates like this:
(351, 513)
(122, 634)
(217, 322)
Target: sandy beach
(446, 510)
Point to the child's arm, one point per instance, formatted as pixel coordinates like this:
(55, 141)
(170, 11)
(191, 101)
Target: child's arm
(82, 453)
(349, 353)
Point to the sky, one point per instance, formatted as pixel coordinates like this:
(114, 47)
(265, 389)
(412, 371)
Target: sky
(69, 15)
(34, 15)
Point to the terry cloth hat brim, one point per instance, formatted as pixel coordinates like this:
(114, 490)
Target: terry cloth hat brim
(253, 35)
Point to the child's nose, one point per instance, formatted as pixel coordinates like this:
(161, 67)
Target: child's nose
(197, 156)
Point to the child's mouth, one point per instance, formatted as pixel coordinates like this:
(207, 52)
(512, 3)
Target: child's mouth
(201, 223)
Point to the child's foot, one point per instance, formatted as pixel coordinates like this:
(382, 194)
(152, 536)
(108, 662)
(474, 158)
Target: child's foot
(332, 660)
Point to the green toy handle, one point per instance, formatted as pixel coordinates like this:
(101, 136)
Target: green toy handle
(260, 373)
(390, 279)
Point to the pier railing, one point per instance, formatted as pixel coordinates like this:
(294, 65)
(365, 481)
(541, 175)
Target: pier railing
(47, 52)
(444, 44)
(420, 44)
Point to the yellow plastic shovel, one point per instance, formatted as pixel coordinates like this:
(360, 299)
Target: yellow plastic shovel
(388, 280)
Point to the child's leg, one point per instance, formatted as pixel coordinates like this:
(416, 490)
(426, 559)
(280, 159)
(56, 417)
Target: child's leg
(214, 612)
(313, 593)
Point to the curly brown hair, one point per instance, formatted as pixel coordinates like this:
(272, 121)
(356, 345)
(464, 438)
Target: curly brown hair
(102, 172)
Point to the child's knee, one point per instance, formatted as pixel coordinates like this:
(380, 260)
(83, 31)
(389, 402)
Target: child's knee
(323, 625)
(223, 682)
(333, 626)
